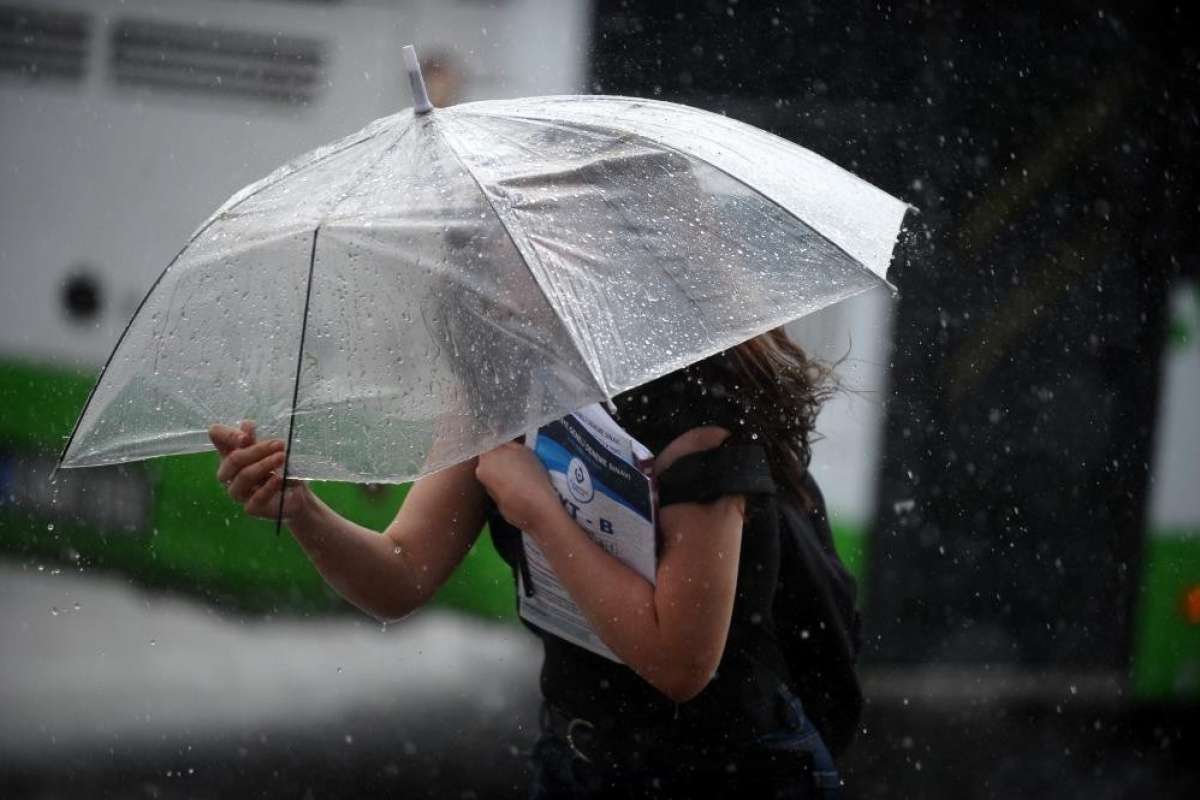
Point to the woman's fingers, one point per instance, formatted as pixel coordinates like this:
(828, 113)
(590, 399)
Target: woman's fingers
(243, 457)
(248, 468)
(264, 502)
(250, 477)
(227, 438)
(224, 438)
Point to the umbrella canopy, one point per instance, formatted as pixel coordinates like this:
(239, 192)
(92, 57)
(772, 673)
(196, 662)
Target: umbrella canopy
(439, 283)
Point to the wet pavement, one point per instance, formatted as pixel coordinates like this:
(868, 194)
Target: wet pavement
(146, 695)
(109, 690)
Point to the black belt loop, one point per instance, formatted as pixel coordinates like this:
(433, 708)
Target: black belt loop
(580, 724)
(606, 740)
(572, 729)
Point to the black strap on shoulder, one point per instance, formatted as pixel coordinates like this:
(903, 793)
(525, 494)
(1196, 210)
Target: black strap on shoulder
(706, 475)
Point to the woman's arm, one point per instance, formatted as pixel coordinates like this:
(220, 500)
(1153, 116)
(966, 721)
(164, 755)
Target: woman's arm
(388, 575)
(673, 632)
(393, 574)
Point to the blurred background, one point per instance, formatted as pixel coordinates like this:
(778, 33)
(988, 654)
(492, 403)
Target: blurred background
(1013, 465)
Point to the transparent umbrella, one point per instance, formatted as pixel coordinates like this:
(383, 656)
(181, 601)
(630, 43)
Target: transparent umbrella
(446, 279)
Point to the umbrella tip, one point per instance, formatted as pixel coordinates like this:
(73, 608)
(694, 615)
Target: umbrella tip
(421, 104)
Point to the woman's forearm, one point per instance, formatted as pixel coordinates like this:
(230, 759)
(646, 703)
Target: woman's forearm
(672, 633)
(363, 566)
(616, 600)
(389, 575)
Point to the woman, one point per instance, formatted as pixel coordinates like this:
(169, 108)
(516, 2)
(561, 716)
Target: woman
(701, 702)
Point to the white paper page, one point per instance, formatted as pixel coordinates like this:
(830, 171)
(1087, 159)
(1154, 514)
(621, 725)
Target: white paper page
(595, 466)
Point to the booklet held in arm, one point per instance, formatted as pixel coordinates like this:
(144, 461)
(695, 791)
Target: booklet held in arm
(600, 473)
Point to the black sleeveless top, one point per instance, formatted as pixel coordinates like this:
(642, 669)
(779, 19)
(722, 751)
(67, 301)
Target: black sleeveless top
(740, 701)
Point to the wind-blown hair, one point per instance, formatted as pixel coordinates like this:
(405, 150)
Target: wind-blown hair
(765, 391)
(783, 391)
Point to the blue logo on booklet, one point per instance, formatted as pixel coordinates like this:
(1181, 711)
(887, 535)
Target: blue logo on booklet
(579, 481)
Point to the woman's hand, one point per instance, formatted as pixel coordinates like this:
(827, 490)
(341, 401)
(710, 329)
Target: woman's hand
(519, 484)
(250, 472)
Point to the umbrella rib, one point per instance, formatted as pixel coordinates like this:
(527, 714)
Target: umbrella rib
(312, 260)
(601, 384)
(365, 171)
(287, 453)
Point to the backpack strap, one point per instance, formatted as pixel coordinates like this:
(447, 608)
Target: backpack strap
(704, 476)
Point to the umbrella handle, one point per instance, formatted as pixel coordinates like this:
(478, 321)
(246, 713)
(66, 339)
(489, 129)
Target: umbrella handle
(421, 104)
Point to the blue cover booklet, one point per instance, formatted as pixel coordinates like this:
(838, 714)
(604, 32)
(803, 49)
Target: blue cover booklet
(601, 475)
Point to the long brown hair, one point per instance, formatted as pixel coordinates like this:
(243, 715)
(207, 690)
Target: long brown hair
(784, 390)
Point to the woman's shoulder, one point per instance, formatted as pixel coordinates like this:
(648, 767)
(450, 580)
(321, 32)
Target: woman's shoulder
(693, 441)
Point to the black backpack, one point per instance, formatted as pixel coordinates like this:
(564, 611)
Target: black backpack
(816, 620)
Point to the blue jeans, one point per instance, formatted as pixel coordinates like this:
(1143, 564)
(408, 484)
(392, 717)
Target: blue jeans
(791, 763)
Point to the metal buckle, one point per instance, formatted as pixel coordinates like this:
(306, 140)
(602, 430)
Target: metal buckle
(571, 737)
